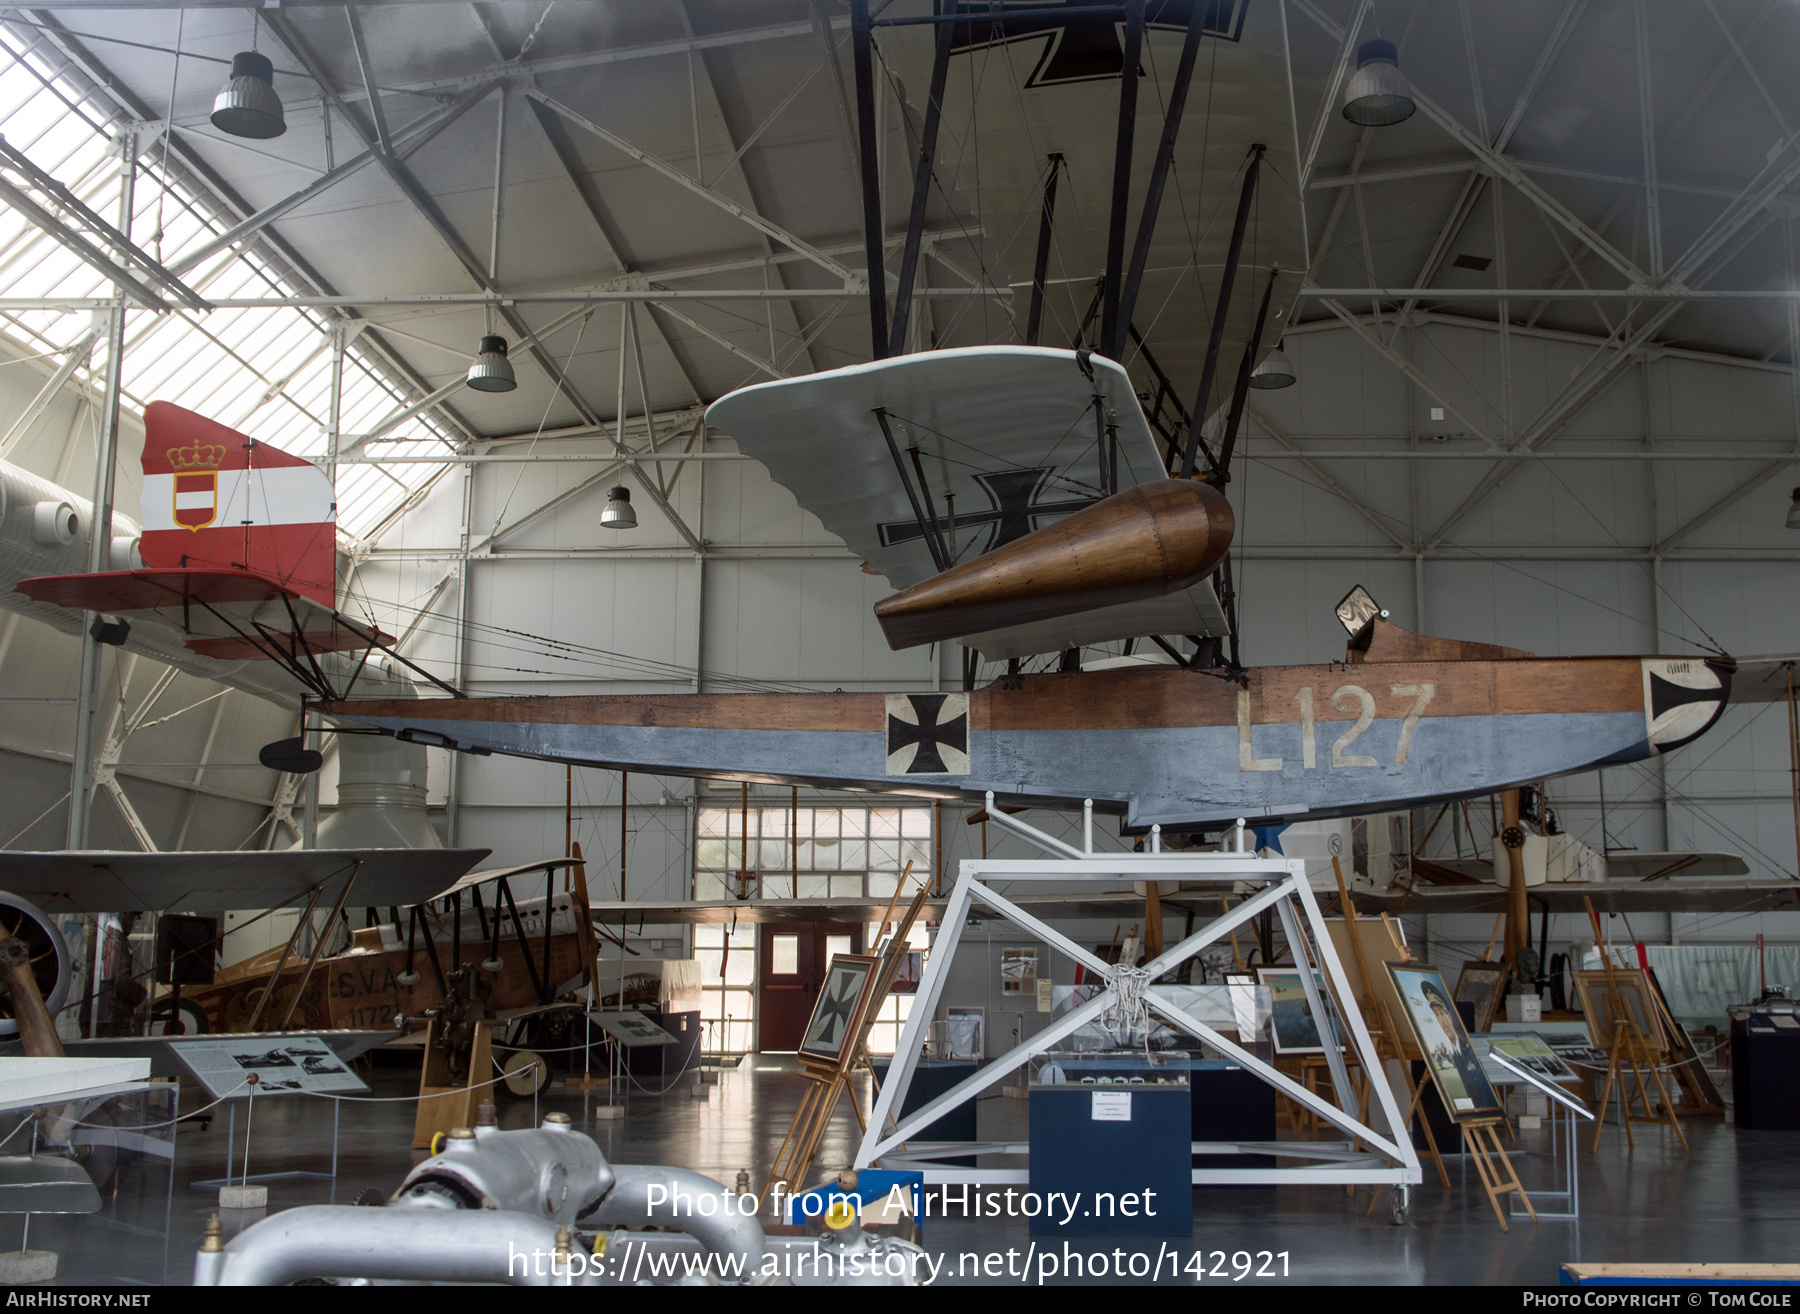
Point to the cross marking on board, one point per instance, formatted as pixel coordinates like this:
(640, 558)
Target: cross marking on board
(930, 734)
(834, 1010)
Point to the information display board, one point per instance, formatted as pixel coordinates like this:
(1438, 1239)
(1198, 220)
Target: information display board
(632, 1029)
(284, 1065)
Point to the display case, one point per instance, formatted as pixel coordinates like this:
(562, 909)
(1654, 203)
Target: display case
(1111, 1068)
(1110, 1128)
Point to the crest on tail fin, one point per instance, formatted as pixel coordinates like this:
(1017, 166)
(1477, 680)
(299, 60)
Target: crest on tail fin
(214, 497)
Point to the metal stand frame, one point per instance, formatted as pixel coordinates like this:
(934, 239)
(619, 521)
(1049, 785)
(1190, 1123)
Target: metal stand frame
(1570, 1195)
(229, 1179)
(1366, 1156)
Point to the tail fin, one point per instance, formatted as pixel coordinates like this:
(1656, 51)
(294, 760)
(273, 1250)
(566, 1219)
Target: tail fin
(214, 497)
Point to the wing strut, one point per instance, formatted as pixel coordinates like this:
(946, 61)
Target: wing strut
(915, 220)
(928, 527)
(1222, 309)
(1046, 222)
(862, 59)
(1110, 337)
(1159, 176)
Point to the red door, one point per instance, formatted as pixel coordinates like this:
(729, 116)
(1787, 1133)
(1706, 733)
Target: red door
(794, 957)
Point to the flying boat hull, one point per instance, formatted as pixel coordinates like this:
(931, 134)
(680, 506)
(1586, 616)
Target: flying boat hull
(1155, 745)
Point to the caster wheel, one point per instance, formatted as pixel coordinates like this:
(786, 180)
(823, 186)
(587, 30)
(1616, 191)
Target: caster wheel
(1399, 1205)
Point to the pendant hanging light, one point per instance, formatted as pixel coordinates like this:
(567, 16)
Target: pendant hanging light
(248, 106)
(1378, 95)
(618, 513)
(492, 371)
(1274, 371)
(1793, 516)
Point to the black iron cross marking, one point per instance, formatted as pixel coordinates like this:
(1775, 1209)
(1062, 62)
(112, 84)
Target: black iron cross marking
(832, 1019)
(1084, 47)
(932, 732)
(1013, 495)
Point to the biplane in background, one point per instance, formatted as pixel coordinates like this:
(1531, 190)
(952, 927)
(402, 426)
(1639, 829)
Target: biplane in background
(439, 922)
(239, 552)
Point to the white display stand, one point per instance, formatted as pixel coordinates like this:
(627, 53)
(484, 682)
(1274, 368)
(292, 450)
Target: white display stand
(1573, 1110)
(283, 1065)
(1366, 1156)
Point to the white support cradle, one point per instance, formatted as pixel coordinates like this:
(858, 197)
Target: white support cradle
(1367, 1155)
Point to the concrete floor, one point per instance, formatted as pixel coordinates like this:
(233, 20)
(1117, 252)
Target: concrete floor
(1733, 1197)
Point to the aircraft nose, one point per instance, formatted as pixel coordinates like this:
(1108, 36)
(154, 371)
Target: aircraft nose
(1683, 696)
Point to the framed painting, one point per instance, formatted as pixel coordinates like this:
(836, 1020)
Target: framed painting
(838, 1013)
(1607, 1001)
(1428, 1011)
(1482, 984)
(1291, 1020)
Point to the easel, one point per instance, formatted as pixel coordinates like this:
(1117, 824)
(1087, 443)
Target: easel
(826, 1083)
(1630, 1048)
(1390, 1042)
(1498, 1176)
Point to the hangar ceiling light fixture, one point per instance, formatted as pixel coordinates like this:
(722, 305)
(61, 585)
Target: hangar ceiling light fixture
(248, 106)
(1378, 95)
(618, 513)
(492, 371)
(1274, 371)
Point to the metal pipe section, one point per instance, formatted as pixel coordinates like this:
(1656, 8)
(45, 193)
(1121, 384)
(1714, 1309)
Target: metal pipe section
(677, 1198)
(344, 1241)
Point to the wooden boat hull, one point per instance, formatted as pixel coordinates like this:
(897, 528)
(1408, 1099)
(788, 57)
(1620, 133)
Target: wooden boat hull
(1159, 745)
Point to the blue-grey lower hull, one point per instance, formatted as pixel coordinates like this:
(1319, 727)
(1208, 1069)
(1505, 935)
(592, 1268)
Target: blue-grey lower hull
(1173, 776)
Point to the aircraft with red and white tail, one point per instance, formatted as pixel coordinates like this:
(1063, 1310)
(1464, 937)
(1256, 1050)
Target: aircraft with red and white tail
(239, 552)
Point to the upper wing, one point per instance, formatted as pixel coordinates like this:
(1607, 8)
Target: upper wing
(994, 442)
(86, 882)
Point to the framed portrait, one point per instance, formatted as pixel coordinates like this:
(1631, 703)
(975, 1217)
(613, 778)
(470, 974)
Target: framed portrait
(1291, 1020)
(1482, 984)
(1430, 1014)
(1018, 971)
(1606, 1002)
(966, 1030)
(837, 1015)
